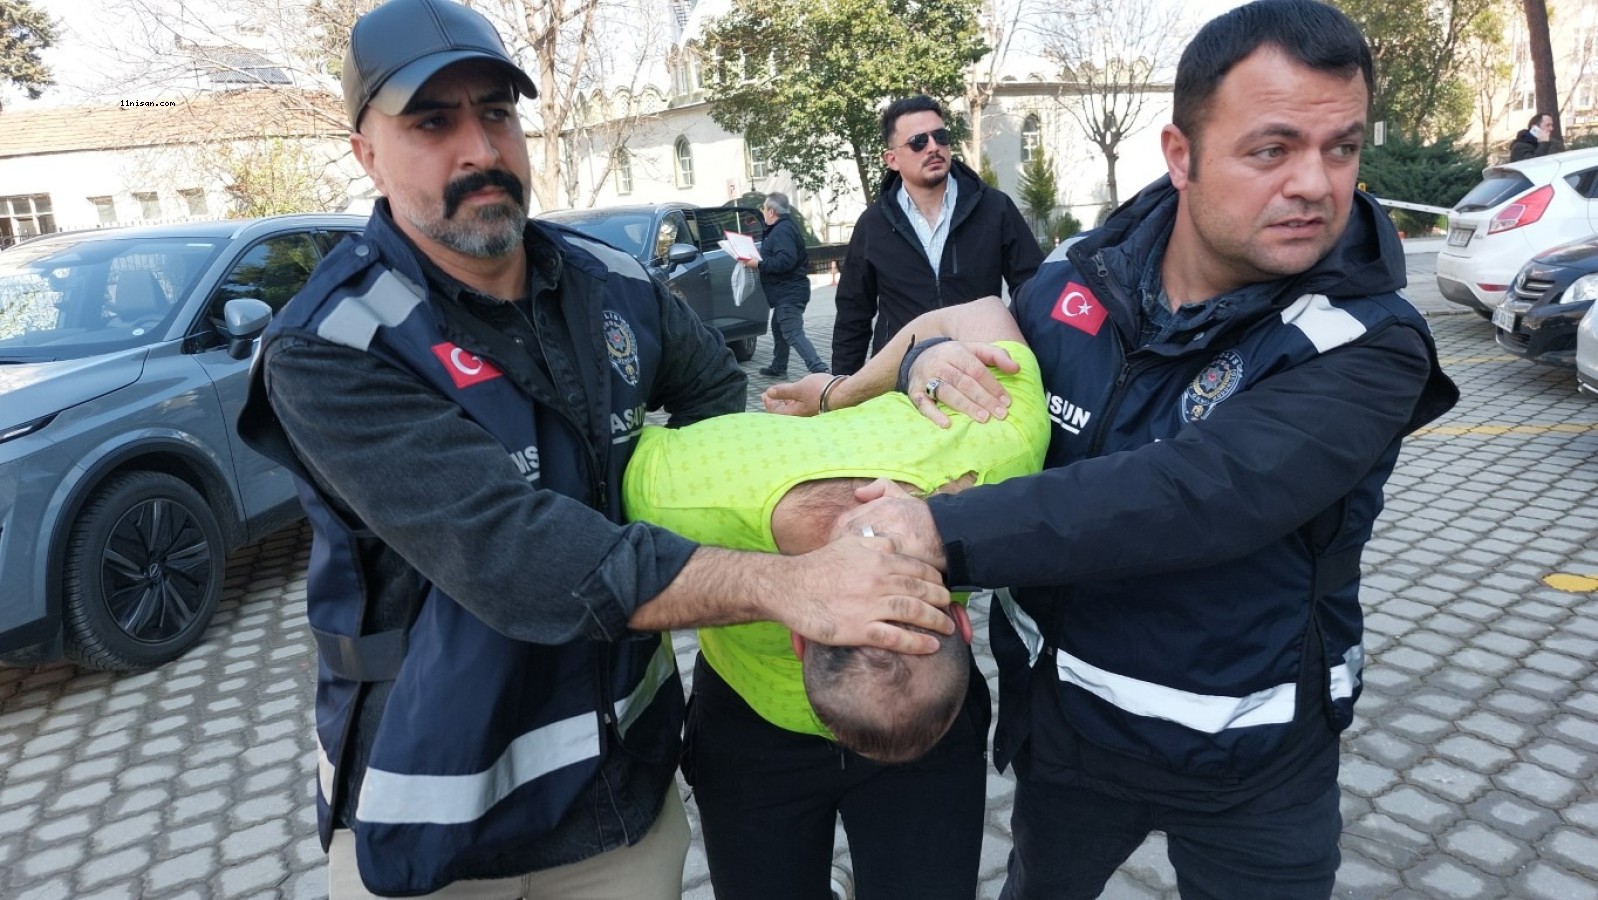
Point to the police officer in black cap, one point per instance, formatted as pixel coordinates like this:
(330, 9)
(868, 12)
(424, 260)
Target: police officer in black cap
(457, 392)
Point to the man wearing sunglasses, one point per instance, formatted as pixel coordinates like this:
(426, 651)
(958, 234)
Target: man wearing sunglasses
(935, 236)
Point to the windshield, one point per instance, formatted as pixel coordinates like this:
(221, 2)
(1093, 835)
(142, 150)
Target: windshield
(70, 299)
(627, 230)
(1498, 186)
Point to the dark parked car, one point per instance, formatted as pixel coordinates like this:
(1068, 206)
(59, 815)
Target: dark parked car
(678, 243)
(124, 355)
(1537, 318)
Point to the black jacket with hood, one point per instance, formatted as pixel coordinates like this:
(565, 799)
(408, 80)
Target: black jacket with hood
(886, 275)
(1183, 620)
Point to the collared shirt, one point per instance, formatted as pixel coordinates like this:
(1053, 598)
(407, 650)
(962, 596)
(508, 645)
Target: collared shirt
(932, 236)
(1160, 322)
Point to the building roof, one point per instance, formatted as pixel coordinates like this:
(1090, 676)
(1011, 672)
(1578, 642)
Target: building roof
(212, 116)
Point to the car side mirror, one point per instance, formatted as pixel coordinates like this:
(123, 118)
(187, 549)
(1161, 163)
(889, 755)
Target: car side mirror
(681, 254)
(243, 320)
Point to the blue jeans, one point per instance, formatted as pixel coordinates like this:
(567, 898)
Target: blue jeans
(788, 330)
(1069, 840)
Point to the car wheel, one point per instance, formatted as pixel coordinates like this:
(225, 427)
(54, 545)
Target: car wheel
(144, 569)
(743, 350)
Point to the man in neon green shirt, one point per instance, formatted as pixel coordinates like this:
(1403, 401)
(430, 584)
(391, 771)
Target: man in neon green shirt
(770, 781)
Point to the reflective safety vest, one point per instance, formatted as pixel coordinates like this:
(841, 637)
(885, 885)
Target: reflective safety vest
(1198, 671)
(484, 742)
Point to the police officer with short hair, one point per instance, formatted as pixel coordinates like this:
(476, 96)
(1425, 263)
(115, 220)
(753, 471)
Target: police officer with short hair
(457, 392)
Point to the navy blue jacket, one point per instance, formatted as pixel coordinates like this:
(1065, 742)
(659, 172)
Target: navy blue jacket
(471, 579)
(1184, 572)
(783, 263)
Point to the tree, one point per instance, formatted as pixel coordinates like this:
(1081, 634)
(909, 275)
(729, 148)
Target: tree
(1438, 173)
(1542, 65)
(572, 49)
(807, 79)
(1038, 191)
(271, 176)
(1111, 53)
(1484, 63)
(1001, 22)
(25, 31)
(1415, 46)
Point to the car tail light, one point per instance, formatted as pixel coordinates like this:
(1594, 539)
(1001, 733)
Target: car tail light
(1523, 210)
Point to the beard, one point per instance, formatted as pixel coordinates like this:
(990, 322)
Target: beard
(487, 232)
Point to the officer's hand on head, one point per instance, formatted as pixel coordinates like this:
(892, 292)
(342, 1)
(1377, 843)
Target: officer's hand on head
(857, 592)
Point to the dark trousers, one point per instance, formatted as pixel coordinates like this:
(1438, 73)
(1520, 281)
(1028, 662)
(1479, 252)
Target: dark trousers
(1069, 841)
(769, 800)
(788, 330)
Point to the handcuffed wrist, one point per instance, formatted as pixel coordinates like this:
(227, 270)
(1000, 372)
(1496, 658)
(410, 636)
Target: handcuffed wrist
(826, 392)
(910, 356)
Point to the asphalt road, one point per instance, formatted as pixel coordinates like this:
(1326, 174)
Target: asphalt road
(1469, 772)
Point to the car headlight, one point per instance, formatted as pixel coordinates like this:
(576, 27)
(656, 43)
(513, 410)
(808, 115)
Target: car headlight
(1582, 290)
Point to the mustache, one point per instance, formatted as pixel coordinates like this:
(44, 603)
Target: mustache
(455, 192)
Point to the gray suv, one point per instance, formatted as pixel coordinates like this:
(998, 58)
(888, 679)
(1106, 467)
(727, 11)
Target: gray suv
(124, 356)
(677, 243)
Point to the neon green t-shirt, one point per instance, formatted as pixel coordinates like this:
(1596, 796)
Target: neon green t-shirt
(718, 481)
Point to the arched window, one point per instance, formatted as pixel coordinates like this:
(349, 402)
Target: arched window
(685, 163)
(624, 171)
(1031, 137)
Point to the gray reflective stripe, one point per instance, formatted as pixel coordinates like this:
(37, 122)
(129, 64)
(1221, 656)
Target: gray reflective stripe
(1024, 626)
(398, 799)
(616, 261)
(358, 316)
(1325, 325)
(1210, 714)
(324, 771)
(661, 667)
(1345, 677)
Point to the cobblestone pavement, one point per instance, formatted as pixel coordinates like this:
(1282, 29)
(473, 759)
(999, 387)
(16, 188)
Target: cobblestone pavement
(1469, 772)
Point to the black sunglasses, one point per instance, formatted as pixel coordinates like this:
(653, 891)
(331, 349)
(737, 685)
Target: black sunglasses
(918, 142)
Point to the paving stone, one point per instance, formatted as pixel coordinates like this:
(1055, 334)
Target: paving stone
(109, 867)
(1387, 840)
(1563, 759)
(196, 865)
(200, 834)
(1364, 778)
(1486, 849)
(1580, 731)
(1416, 807)
(1474, 752)
(54, 859)
(1537, 783)
(254, 841)
(1496, 728)
(1453, 782)
(259, 809)
(257, 873)
(198, 804)
(1543, 881)
(92, 794)
(54, 889)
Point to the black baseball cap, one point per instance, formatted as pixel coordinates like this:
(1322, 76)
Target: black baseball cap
(396, 47)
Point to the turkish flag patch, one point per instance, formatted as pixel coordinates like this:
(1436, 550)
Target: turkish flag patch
(465, 369)
(1078, 308)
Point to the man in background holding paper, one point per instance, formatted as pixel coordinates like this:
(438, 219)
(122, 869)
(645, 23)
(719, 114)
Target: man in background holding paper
(781, 262)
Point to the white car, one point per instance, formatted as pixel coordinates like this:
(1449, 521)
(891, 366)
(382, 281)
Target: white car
(1517, 211)
(1587, 352)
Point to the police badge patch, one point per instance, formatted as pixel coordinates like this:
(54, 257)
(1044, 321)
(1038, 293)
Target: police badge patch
(622, 347)
(1215, 383)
